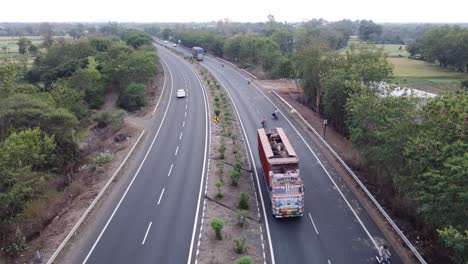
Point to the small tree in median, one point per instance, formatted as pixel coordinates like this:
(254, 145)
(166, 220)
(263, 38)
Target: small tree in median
(239, 245)
(220, 193)
(242, 217)
(243, 201)
(217, 224)
(235, 175)
(244, 260)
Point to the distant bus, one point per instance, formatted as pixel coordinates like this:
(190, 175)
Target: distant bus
(197, 53)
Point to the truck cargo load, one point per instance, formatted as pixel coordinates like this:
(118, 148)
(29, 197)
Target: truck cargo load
(281, 170)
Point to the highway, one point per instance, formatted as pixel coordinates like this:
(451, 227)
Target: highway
(334, 228)
(153, 219)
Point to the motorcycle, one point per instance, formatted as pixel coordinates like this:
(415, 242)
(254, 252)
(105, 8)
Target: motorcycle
(383, 260)
(275, 115)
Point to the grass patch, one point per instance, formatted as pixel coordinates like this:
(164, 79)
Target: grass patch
(404, 67)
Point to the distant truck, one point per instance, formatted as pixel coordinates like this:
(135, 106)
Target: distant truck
(197, 53)
(281, 170)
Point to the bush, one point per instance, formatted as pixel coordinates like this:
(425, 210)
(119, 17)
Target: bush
(222, 149)
(220, 165)
(16, 246)
(220, 193)
(239, 245)
(217, 111)
(133, 97)
(235, 175)
(216, 99)
(113, 119)
(244, 201)
(242, 217)
(217, 224)
(102, 158)
(244, 260)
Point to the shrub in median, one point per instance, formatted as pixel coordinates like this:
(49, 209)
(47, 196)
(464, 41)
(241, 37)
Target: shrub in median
(217, 224)
(244, 260)
(220, 193)
(235, 175)
(242, 218)
(243, 201)
(239, 245)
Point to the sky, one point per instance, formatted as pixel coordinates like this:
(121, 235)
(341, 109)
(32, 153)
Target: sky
(447, 11)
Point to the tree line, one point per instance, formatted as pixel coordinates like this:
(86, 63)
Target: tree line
(446, 45)
(42, 108)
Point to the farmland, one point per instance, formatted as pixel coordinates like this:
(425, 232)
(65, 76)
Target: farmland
(9, 48)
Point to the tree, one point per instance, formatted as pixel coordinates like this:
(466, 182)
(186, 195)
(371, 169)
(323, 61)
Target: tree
(369, 31)
(22, 111)
(456, 241)
(33, 50)
(68, 98)
(89, 81)
(166, 33)
(217, 224)
(23, 45)
(48, 34)
(133, 96)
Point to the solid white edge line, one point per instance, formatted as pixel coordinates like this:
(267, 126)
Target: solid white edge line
(272, 256)
(177, 150)
(313, 223)
(160, 96)
(146, 234)
(160, 196)
(325, 170)
(136, 174)
(207, 140)
(170, 170)
(91, 206)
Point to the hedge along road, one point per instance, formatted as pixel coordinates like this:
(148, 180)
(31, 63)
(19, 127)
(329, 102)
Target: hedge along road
(153, 222)
(335, 228)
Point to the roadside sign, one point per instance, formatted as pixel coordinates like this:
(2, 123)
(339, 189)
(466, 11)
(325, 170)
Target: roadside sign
(216, 119)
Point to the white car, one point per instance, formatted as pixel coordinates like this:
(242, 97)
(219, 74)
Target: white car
(181, 93)
(174, 45)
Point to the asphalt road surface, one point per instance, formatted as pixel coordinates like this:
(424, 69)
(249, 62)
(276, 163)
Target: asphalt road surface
(154, 218)
(335, 228)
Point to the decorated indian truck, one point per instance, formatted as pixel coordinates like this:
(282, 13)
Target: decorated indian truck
(281, 170)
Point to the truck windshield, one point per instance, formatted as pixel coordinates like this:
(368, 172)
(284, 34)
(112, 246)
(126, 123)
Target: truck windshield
(295, 189)
(279, 190)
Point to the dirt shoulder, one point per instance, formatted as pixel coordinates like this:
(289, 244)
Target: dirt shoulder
(87, 182)
(289, 91)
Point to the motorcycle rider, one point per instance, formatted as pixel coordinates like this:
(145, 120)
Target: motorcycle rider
(275, 113)
(263, 122)
(384, 253)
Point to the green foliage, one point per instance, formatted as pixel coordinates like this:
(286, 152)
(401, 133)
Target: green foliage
(369, 31)
(239, 245)
(133, 97)
(126, 66)
(66, 97)
(89, 80)
(222, 149)
(217, 224)
(102, 158)
(242, 217)
(20, 112)
(220, 171)
(456, 241)
(16, 246)
(9, 78)
(220, 193)
(244, 260)
(23, 45)
(136, 38)
(243, 201)
(114, 119)
(447, 45)
(217, 111)
(235, 175)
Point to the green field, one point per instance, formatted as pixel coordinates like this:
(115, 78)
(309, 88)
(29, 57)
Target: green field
(415, 73)
(424, 76)
(12, 48)
(393, 50)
